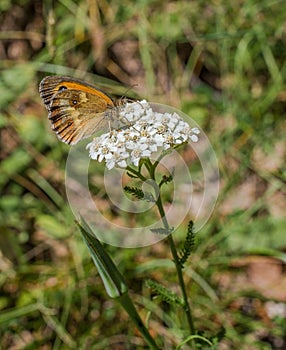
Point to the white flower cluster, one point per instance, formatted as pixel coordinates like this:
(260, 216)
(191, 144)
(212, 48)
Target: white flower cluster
(145, 132)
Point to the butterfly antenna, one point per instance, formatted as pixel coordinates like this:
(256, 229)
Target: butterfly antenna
(124, 97)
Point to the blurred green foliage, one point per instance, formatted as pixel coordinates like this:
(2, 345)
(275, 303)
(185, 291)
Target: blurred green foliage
(221, 62)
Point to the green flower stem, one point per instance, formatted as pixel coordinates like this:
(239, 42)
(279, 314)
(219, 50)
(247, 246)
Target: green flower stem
(174, 253)
(182, 284)
(136, 173)
(178, 266)
(151, 168)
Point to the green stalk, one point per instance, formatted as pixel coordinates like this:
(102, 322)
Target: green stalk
(175, 255)
(182, 284)
(151, 170)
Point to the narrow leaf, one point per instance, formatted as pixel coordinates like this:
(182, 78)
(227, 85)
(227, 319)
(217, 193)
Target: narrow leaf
(132, 175)
(113, 281)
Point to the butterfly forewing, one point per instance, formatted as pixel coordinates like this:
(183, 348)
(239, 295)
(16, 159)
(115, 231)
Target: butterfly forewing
(76, 115)
(76, 109)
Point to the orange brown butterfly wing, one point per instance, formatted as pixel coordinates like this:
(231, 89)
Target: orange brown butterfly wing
(76, 109)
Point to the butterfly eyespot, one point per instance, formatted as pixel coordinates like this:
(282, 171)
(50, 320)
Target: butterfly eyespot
(62, 88)
(74, 102)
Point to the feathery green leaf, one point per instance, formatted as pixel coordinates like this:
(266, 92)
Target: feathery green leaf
(166, 179)
(164, 293)
(139, 194)
(162, 230)
(188, 245)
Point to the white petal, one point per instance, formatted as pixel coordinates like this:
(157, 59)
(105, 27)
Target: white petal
(194, 138)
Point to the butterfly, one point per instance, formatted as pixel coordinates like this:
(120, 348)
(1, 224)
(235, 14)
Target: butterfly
(76, 109)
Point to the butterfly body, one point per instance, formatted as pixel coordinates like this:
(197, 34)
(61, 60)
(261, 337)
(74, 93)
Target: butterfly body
(76, 109)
